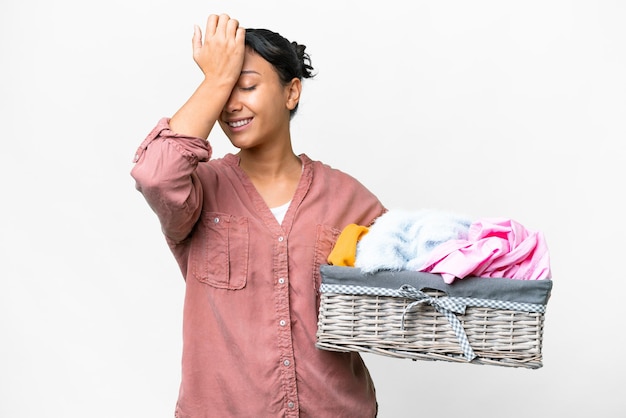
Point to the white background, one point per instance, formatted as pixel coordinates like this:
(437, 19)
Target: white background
(489, 108)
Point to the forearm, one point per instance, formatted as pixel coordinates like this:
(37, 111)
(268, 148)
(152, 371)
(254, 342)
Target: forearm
(198, 115)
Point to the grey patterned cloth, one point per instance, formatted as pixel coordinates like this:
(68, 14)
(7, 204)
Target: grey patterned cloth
(497, 289)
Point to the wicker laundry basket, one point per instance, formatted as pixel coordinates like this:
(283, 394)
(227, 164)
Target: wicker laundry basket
(418, 316)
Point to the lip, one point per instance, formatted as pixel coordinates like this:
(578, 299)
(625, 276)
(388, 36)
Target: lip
(238, 124)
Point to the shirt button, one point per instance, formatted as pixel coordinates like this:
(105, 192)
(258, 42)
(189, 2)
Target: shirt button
(286, 362)
(291, 405)
(282, 323)
(281, 280)
(216, 220)
(281, 239)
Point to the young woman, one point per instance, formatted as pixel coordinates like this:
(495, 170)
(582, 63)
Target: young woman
(249, 232)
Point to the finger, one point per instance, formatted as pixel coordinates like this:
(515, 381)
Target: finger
(231, 28)
(222, 23)
(240, 36)
(196, 41)
(211, 25)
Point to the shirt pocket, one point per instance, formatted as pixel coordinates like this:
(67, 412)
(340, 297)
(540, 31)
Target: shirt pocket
(219, 255)
(325, 240)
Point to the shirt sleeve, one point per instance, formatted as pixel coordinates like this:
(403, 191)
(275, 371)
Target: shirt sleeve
(165, 174)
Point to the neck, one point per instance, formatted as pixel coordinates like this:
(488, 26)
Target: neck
(269, 164)
(275, 176)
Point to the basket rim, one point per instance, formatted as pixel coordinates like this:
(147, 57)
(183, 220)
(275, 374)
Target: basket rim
(536, 292)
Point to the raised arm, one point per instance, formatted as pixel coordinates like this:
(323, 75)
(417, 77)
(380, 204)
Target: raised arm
(220, 57)
(166, 161)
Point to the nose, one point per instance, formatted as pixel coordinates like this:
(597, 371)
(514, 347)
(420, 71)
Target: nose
(233, 104)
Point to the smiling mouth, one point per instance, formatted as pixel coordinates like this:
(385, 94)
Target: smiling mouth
(239, 123)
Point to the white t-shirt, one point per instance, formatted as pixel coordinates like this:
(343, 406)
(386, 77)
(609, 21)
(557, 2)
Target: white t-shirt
(279, 212)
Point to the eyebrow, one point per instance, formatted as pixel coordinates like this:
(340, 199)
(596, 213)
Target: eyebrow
(250, 72)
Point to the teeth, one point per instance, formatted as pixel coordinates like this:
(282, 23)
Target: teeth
(239, 123)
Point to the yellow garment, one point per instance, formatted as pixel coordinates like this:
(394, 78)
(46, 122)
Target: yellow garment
(344, 251)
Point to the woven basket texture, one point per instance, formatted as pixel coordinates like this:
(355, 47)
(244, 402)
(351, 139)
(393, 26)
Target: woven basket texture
(373, 324)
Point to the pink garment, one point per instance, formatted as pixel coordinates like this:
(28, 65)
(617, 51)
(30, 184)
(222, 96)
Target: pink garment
(495, 247)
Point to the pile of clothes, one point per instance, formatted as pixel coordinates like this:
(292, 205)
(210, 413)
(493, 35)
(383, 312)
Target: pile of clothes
(445, 243)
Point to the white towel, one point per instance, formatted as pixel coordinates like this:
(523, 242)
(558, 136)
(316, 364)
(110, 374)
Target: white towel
(402, 240)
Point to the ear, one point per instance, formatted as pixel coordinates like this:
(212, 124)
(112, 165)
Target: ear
(293, 90)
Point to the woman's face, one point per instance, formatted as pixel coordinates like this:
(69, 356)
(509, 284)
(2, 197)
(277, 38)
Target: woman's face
(257, 111)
